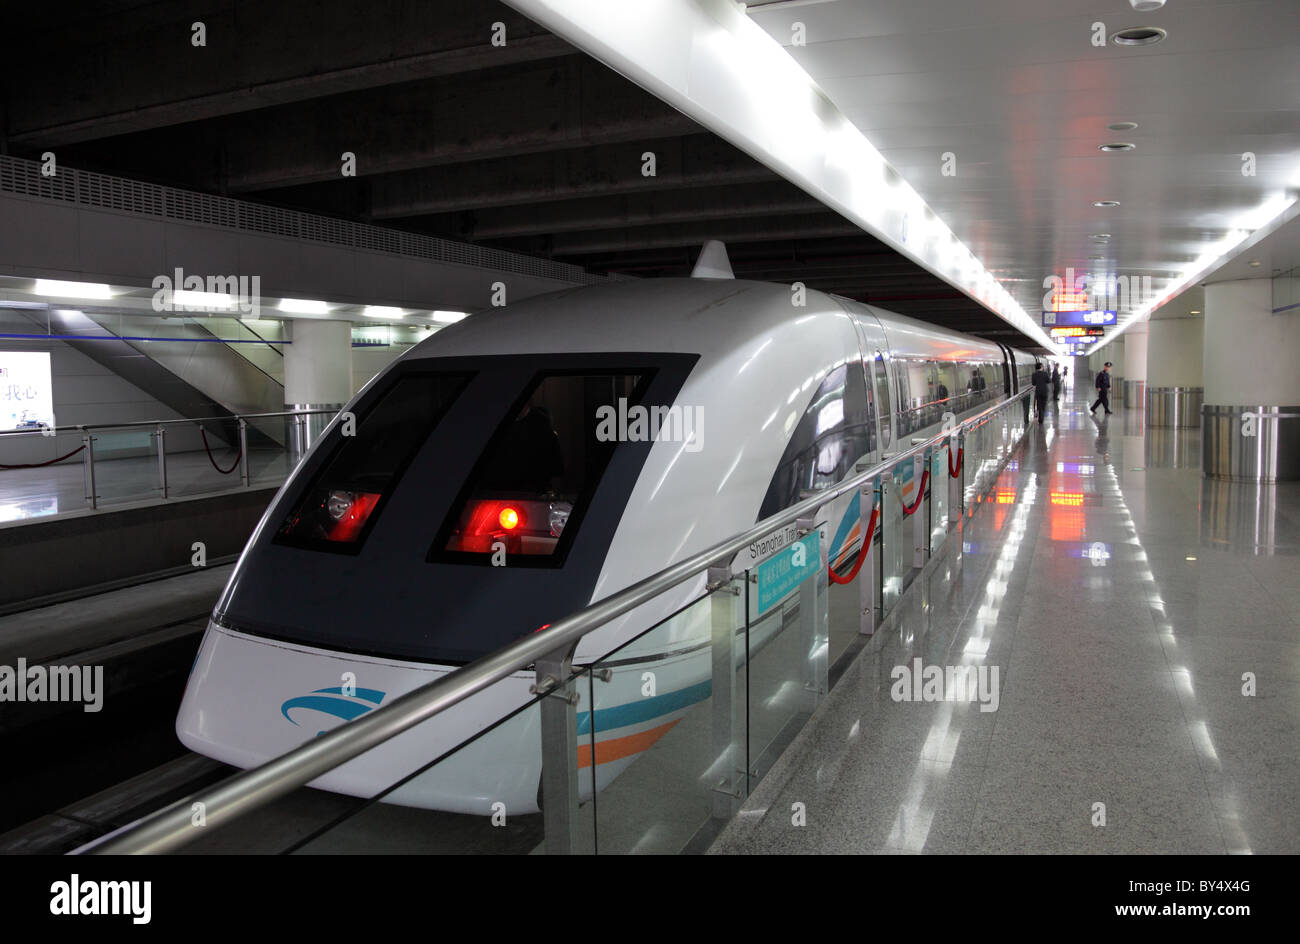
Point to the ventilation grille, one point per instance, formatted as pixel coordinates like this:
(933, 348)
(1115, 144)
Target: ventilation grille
(87, 188)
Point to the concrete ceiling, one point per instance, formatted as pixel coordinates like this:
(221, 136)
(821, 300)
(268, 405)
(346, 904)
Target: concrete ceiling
(531, 146)
(1018, 94)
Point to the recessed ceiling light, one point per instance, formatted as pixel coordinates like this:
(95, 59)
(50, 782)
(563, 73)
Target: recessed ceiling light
(1105, 203)
(382, 311)
(1195, 311)
(1139, 36)
(1116, 146)
(448, 317)
(1254, 263)
(1100, 237)
(1122, 125)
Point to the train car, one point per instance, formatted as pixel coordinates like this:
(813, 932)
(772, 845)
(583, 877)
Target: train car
(528, 461)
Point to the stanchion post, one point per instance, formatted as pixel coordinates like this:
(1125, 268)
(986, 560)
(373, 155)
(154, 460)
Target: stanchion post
(729, 782)
(243, 452)
(161, 435)
(88, 467)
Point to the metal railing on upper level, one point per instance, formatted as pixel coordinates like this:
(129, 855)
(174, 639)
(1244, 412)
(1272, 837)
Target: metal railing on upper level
(296, 433)
(550, 651)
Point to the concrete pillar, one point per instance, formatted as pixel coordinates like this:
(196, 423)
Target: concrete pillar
(1134, 370)
(317, 375)
(1251, 420)
(1175, 386)
(1175, 352)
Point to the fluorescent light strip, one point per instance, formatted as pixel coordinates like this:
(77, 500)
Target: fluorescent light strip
(382, 311)
(449, 317)
(304, 306)
(61, 289)
(191, 299)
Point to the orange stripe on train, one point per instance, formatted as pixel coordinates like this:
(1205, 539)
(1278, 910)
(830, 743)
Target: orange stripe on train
(617, 748)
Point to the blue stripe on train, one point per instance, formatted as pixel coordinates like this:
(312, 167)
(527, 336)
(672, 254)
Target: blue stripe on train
(645, 709)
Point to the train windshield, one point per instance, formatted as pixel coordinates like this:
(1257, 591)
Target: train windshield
(525, 499)
(343, 502)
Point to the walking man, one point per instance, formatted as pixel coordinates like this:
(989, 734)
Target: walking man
(1041, 380)
(1056, 381)
(1103, 390)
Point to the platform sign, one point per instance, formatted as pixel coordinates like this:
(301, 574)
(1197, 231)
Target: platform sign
(1070, 319)
(785, 570)
(1077, 331)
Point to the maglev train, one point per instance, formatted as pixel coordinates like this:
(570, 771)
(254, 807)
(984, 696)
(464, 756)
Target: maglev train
(508, 471)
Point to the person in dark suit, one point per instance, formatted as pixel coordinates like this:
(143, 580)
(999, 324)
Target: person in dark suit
(1056, 381)
(1041, 380)
(1103, 390)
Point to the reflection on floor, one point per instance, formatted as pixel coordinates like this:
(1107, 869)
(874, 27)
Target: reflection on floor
(52, 490)
(1143, 624)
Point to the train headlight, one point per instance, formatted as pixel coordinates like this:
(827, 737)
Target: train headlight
(559, 517)
(338, 504)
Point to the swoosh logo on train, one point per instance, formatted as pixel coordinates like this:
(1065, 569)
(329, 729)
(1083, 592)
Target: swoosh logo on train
(343, 706)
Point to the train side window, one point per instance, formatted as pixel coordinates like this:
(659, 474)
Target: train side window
(341, 504)
(526, 497)
(836, 430)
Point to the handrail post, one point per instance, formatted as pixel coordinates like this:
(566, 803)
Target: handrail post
(88, 467)
(559, 735)
(869, 496)
(729, 780)
(956, 445)
(243, 452)
(918, 520)
(812, 621)
(160, 439)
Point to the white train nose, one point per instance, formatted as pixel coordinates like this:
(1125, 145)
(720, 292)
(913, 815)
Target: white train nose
(249, 700)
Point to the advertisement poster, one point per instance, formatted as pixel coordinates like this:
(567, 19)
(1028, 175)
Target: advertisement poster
(26, 393)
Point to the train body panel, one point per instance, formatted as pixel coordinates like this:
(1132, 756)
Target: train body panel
(773, 401)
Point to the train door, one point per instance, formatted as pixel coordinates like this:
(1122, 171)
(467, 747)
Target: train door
(875, 363)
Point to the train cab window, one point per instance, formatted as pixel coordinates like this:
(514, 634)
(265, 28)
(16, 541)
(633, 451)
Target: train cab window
(341, 504)
(837, 429)
(527, 494)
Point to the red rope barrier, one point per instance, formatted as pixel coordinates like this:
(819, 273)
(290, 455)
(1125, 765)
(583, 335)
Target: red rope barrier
(208, 449)
(41, 465)
(961, 457)
(862, 554)
(920, 495)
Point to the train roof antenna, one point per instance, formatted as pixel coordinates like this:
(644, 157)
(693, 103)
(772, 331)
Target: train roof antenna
(713, 262)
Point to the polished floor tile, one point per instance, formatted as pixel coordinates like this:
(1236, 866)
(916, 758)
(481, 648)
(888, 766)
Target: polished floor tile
(1144, 625)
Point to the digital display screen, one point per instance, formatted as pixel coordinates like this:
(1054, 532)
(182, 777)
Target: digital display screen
(1078, 318)
(26, 391)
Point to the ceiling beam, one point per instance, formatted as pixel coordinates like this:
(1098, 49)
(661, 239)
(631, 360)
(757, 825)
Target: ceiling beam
(109, 82)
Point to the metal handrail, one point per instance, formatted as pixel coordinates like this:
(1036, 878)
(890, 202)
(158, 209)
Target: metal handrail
(172, 827)
(152, 424)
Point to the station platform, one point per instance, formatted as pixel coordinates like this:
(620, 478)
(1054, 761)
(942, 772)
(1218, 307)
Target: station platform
(1127, 605)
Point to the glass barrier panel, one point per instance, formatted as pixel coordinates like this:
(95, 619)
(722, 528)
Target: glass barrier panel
(269, 458)
(481, 796)
(126, 465)
(788, 657)
(666, 740)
